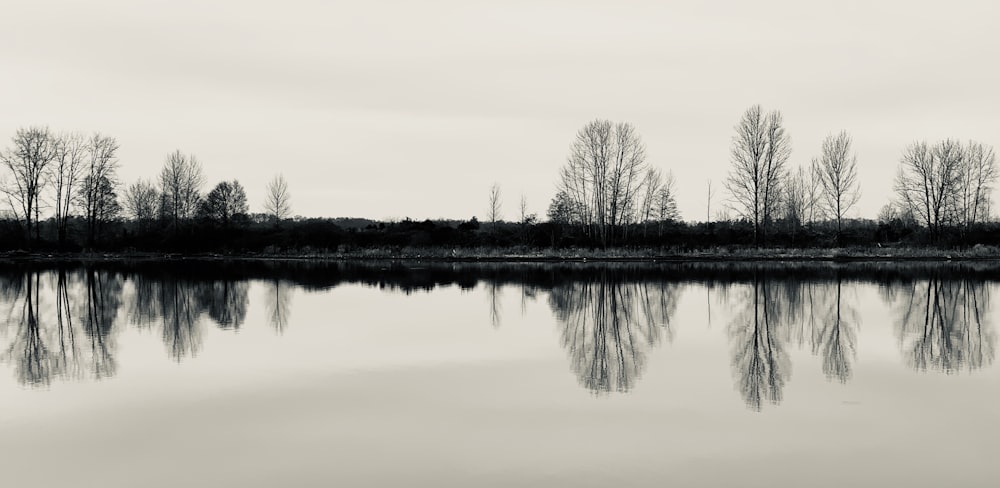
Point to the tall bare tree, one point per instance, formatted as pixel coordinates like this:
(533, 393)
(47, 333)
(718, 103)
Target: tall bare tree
(28, 160)
(67, 170)
(278, 203)
(760, 150)
(838, 176)
(97, 194)
(603, 176)
(928, 181)
(979, 174)
(180, 188)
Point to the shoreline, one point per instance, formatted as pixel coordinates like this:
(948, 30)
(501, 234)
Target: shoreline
(580, 256)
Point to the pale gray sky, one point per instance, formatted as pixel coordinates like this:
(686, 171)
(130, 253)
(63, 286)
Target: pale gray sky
(397, 108)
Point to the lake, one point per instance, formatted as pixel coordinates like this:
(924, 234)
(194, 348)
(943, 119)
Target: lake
(210, 373)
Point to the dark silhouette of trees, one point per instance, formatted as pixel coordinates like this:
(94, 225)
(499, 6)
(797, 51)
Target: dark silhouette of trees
(929, 180)
(67, 170)
(838, 176)
(227, 201)
(28, 160)
(278, 203)
(979, 174)
(760, 150)
(562, 209)
(602, 177)
(802, 192)
(97, 195)
(141, 202)
(180, 188)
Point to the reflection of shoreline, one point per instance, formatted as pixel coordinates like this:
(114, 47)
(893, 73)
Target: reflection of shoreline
(61, 322)
(75, 338)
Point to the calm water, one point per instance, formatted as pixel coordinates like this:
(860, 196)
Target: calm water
(346, 374)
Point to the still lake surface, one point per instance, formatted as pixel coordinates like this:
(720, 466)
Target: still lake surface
(190, 373)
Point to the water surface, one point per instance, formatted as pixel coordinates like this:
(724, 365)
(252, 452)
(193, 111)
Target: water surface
(428, 374)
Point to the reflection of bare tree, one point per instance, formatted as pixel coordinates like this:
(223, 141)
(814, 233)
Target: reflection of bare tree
(943, 326)
(493, 288)
(835, 340)
(181, 324)
(608, 327)
(278, 304)
(759, 362)
(144, 308)
(28, 351)
(226, 302)
(101, 303)
(69, 353)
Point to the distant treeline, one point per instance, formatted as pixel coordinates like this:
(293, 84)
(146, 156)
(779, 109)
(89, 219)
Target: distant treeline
(63, 193)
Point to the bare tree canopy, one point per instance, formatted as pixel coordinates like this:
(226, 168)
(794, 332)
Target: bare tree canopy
(66, 172)
(278, 203)
(760, 149)
(603, 176)
(180, 186)
(97, 195)
(28, 160)
(802, 195)
(228, 200)
(979, 173)
(141, 201)
(493, 213)
(946, 184)
(838, 175)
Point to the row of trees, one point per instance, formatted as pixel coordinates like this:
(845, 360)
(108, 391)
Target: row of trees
(606, 185)
(70, 175)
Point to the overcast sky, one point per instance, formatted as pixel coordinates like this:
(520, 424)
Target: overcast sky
(388, 109)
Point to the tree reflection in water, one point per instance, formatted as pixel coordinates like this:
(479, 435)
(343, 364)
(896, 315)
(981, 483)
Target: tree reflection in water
(760, 363)
(278, 301)
(943, 326)
(608, 326)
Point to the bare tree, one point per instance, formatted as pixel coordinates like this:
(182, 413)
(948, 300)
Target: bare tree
(278, 203)
(979, 173)
(603, 177)
(666, 200)
(800, 196)
(651, 184)
(141, 200)
(760, 149)
(67, 170)
(928, 180)
(28, 160)
(180, 186)
(493, 212)
(97, 189)
(838, 176)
